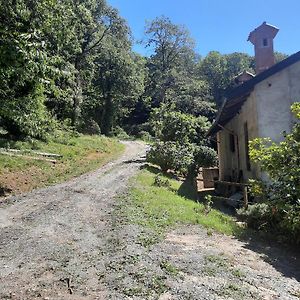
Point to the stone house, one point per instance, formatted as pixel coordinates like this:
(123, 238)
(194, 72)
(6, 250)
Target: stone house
(258, 107)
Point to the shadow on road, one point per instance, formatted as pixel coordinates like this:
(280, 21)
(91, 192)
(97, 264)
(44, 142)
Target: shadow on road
(283, 257)
(134, 161)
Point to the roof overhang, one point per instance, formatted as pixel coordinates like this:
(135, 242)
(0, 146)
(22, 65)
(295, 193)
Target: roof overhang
(229, 110)
(237, 96)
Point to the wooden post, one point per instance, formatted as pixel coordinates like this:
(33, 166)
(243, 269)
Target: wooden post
(245, 192)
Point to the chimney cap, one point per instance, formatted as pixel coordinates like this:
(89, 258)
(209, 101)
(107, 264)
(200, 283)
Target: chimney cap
(270, 29)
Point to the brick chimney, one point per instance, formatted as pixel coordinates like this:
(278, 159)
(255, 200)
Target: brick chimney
(262, 39)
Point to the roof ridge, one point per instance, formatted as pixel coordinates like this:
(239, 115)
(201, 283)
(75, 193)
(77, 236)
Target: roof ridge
(245, 88)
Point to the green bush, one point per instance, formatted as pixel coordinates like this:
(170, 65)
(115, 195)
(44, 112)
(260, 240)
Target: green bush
(183, 146)
(280, 210)
(182, 158)
(27, 115)
(278, 217)
(205, 157)
(145, 136)
(91, 127)
(168, 125)
(258, 215)
(171, 155)
(120, 133)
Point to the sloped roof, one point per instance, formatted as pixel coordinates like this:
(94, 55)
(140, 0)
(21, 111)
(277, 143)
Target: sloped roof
(236, 97)
(271, 29)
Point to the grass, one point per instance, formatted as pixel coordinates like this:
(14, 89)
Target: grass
(159, 208)
(168, 268)
(80, 154)
(218, 260)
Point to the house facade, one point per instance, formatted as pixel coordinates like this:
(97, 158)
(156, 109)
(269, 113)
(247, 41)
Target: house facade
(259, 107)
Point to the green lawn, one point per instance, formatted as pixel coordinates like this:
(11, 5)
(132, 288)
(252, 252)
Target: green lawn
(159, 208)
(80, 154)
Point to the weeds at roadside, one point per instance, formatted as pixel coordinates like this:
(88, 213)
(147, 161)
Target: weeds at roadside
(159, 208)
(238, 273)
(154, 205)
(209, 271)
(169, 268)
(148, 240)
(232, 290)
(217, 260)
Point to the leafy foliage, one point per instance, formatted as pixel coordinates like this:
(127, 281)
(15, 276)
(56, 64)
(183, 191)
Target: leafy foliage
(65, 60)
(71, 62)
(281, 196)
(281, 162)
(170, 125)
(220, 70)
(171, 156)
(205, 157)
(181, 145)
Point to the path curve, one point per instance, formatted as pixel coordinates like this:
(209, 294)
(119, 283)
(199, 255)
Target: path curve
(51, 239)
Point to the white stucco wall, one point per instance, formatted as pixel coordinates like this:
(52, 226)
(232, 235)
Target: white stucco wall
(274, 97)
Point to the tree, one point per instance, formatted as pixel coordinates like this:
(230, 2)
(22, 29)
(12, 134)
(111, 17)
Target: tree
(236, 63)
(118, 81)
(280, 56)
(171, 44)
(23, 63)
(172, 74)
(191, 95)
(56, 56)
(220, 70)
(170, 125)
(212, 69)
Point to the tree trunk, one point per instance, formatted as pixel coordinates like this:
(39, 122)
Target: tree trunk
(76, 101)
(107, 115)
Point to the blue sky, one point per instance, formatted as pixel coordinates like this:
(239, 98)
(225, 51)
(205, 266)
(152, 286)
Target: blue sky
(221, 25)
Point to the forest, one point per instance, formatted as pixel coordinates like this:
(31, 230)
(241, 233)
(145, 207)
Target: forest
(70, 64)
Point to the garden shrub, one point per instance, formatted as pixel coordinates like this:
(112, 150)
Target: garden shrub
(280, 197)
(184, 159)
(120, 133)
(168, 125)
(145, 136)
(171, 155)
(182, 145)
(205, 157)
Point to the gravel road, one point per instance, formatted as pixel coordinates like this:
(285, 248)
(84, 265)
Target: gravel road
(72, 241)
(51, 239)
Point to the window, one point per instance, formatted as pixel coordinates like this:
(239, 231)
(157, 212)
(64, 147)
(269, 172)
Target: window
(265, 42)
(231, 142)
(248, 165)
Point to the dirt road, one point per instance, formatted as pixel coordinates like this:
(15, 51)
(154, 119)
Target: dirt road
(72, 241)
(51, 239)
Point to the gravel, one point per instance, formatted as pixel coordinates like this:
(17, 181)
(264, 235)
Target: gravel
(73, 241)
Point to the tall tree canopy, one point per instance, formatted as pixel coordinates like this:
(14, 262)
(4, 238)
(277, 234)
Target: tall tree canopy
(58, 57)
(72, 62)
(172, 73)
